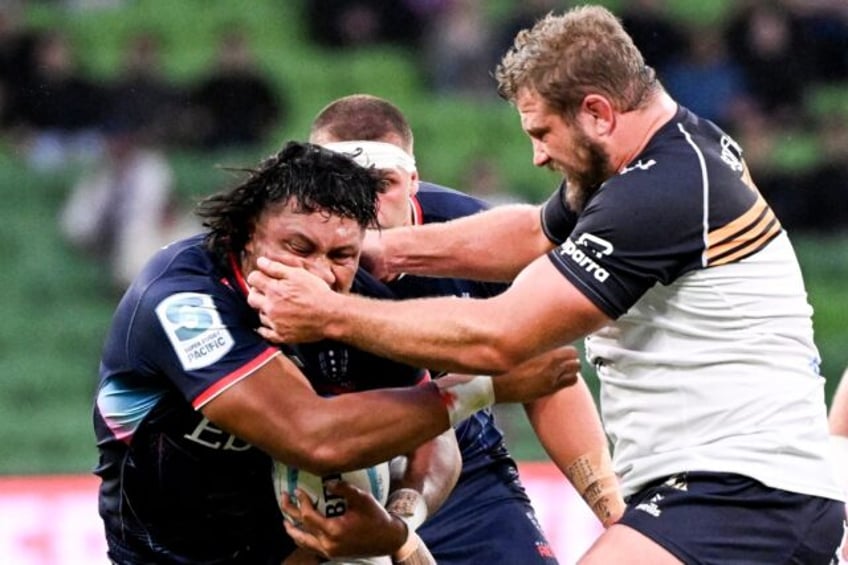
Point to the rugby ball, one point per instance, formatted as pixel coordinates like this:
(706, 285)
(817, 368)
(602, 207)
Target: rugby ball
(374, 480)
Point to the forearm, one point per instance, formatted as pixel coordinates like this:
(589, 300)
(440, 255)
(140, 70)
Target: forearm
(569, 428)
(431, 470)
(567, 423)
(349, 432)
(286, 419)
(276, 410)
(413, 552)
(493, 245)
(463, 335)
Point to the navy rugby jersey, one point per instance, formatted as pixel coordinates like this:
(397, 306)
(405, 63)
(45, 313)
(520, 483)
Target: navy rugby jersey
(333, 367)
(480, 441)
(174, 486)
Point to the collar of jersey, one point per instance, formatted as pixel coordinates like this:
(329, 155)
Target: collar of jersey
(239, 276)
(417, 212)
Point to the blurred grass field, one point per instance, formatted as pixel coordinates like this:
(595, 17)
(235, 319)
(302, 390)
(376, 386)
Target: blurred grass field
(56, 305)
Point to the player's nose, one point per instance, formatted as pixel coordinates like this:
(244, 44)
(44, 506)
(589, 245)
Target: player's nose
(540, 156)
(321, 267)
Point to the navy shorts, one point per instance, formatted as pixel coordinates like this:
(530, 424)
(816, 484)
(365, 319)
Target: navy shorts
(728, 519)
(487, 519)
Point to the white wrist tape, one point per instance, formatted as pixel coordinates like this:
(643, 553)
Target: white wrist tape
(592, 476)
(463, 396)
(408, 505)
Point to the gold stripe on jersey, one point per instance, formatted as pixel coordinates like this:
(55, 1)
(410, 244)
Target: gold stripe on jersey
(744, 236)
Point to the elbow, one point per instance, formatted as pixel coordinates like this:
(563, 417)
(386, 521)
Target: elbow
(319, 458)
(494, 345)
(325, 459)
(314, 445)
(501, 355)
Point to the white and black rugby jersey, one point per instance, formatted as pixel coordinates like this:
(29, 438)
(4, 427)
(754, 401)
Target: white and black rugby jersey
(710, 364)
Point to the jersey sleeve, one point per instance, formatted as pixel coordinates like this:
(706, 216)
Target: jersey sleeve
(557, 218)
(203, 341)
(637, 231)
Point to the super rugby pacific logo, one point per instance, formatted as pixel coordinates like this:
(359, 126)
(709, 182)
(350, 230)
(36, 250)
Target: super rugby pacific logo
(194, 328)
(584, 252)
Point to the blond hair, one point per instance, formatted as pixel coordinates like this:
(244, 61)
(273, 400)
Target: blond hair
(583, 51)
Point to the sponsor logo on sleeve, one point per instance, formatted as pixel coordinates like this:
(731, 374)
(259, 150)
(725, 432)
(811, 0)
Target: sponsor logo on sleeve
(584, 252)
(194, 327)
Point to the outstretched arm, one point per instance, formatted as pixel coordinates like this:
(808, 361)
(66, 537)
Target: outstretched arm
(493, 245)
(539, 311)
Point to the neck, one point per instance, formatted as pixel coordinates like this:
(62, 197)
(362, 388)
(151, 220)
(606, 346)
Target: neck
(638, 127)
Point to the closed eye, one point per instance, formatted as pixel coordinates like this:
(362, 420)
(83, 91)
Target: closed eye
(538, 133)
(344, 255)
(300, 248)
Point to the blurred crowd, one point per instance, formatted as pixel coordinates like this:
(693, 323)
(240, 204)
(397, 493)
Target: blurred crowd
(774, 73)
(119, 131)
(55, 110)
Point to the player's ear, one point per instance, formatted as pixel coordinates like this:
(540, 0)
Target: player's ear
(414, 182)
(599, 114)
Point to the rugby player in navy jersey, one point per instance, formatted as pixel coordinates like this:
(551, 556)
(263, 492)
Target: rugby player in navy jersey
(488, 517)
(429, 473)
(193, 404)
(657, 248)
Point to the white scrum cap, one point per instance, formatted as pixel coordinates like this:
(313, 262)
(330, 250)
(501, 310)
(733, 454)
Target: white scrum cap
(377, 154)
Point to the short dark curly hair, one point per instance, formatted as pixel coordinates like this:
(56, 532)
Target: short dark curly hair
(313, 178)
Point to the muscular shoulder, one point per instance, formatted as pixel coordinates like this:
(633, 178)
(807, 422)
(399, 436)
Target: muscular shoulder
(181, 285)
(653, 207)
(687, 184)
(685, 203)
(184, 266)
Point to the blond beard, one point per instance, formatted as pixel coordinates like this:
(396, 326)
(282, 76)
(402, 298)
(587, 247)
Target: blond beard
(577, 195)
(580, 187)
